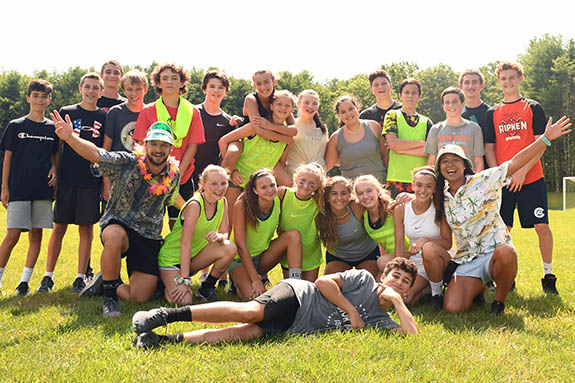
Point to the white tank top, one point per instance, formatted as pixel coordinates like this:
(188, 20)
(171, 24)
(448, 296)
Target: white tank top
(422, 225)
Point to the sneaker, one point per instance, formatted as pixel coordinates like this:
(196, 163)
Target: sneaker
(497, 308)
(232, 289)
(78, 285)
(144, 321)
(111, 308)
(89, 272)
(94, 287)
(222, 283)
(437, 302)
(208, 294)
(549, 282)
(23, 289)
(480, 298)
(46, 285)
(146, 340)
(203, 276)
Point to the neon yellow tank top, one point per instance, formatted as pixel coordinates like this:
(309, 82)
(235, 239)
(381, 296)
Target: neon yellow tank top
(170, 252)
(401, 165)
(385, 235)
(258, 153)
(258, 238)
(300, 215)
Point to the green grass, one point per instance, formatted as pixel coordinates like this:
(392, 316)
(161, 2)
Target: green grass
(61, 338)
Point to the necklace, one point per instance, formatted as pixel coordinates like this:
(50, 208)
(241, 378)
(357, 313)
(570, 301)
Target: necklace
(342, 216)
(350, 132)
(156, 187)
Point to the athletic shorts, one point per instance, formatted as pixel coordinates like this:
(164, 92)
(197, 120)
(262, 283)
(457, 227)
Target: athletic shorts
(281, 306)
(28, 215)
(531, 202)
(477, 268)
(77, 205)
(418, 259)
(186, 191)
(142, 253)
(395, 188)
(373, 256)
(256, 259)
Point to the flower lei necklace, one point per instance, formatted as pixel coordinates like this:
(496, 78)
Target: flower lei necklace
(156, 187)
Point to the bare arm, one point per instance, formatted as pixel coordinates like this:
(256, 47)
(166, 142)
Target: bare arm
(399, 231)
(431, 159)
(330, 287)
(6, 177)
(414, 148)
(188, 157)
(84, 148)
(406, 320)
(478, 164)
(490, 155)
(235, 135)
(331, 154)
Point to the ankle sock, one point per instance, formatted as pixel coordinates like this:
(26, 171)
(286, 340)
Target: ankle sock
(80, 275)
(49, 274)
(436, 288)
(295, 273)
(26, 274)
(210, 281)
(547, 268)
(110, 288)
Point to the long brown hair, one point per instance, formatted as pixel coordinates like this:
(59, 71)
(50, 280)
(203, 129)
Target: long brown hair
(436, 198)
(249, 197)
(383, 198)
(325, 219)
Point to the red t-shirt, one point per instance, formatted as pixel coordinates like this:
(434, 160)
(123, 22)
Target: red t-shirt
(195, 134)
(512, 126)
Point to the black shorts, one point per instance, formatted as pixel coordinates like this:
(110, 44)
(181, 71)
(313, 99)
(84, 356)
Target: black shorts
(280, 310)
(77, 205)
(373, 256)
(142, 253)
(531, 202)
(186, 191)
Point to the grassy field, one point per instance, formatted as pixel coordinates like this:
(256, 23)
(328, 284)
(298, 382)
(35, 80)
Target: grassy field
(60, 338)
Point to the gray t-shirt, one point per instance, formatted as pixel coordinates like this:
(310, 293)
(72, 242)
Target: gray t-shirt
(120, 125)
(316, 313)
(469, 136)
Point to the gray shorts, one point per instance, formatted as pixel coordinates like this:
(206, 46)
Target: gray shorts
(256, 259)
(478, 268)
(28, 215)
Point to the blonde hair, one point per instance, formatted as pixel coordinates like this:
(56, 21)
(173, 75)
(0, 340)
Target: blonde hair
(208, 170)
(383, 196)
(134, 77)
(315, 169)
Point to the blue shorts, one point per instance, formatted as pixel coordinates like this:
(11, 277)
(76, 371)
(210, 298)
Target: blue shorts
(373, 256)
(477, 268)
(531, 202)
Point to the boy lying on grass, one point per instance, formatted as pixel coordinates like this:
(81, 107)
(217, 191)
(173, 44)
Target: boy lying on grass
(348, 300)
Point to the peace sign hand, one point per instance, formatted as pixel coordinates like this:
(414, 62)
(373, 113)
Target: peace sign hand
(63, 127)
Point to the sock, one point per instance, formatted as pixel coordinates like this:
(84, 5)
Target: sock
(49, 274)
(210, 281)
(175, 338)
(547, 268)
(295, 273)
(26, 274)
(80, 275)
(179, 314)
(110, 288)
(436, 288)
(1, 274)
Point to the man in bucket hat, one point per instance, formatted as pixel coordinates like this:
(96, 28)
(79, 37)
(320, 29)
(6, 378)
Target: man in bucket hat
(143, 183)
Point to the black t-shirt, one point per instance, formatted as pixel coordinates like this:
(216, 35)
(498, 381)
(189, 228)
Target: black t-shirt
(215, 127)
(375, 113)
(32, 144)
(74, 169)
(106, 102)
(477, 115)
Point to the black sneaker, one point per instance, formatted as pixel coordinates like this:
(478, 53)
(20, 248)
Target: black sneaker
(497, 308)
(78, 285)
(549, 282)
(480, 298)
(146, 340)
(111, 308)
(23, 289)
(94, 287)
(222, 283)
(46, 285)
(89, 272)
(208, 294)
(437, 302)
(144, 321)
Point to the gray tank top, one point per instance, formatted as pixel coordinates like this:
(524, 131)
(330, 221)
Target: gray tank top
(353, 243)
(362, 157)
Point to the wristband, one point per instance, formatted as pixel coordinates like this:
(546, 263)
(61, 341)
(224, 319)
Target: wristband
(179, 280)
(545, 140)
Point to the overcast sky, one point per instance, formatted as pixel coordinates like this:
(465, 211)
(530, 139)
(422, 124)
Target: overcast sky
(329, 39)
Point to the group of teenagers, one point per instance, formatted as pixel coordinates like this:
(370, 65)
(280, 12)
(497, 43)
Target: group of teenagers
(244, 194)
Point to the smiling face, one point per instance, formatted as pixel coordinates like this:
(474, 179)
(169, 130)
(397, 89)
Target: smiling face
(452, 105)
(509, 80)
(306, 184)
(134, 92)
(397, 279)
(410, 96)
(308, 105)
(423, 186)
(170, 82)
(380, 88)
(347, 112)
(157, 152)
(281, 108)
(339, 197)
(452, 167)
(38, 101)
(91, 90)
(368, 194)
(111, 75)
(215, 185)
(471, 85)
(266, 188)
(215, 90)
(264, 84)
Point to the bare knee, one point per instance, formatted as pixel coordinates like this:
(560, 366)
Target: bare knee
(431, 251)
(229, 250)
(292, 236)
(542, 229)
(505, 254)
(454, 306)
(12, 236)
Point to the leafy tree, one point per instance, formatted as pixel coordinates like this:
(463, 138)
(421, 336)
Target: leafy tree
(433, 81)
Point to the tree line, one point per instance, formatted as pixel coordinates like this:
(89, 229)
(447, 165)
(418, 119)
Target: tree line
(549, 63)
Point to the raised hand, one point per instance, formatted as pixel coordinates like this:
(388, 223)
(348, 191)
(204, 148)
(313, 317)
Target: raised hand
(556, 130)
(63, 127)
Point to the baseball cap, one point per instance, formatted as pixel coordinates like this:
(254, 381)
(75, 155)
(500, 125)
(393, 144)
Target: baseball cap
(160, 131)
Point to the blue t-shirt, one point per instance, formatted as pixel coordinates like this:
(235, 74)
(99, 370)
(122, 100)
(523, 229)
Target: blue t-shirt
(32, 144)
